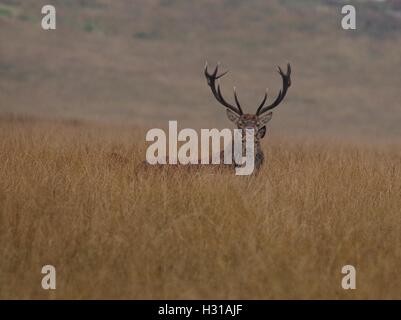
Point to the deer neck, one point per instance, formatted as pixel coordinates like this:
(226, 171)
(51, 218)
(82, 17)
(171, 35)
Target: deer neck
(257, 149)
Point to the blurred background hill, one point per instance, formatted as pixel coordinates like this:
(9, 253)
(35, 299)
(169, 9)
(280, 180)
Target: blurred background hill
(141, 62)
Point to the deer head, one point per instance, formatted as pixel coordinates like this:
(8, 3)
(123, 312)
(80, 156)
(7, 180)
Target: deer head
(235, 114)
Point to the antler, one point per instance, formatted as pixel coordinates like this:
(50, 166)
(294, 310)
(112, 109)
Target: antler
(286, 84)
(211, 81)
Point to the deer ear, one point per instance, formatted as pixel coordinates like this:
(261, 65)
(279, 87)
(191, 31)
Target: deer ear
(232, 116)
(261, 133)
(265, 118)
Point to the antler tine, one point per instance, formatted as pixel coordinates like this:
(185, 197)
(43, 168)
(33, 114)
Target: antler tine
(286, 77)
(237, 101)
(289, 74)
(222, 75)
(211, 81)
(262, 103)
(214, 74)
(225, 103)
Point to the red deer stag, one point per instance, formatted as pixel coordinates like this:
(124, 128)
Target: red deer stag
(257, 121)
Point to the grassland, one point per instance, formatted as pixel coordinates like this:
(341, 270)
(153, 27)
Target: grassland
(74, 107)
(75, 195)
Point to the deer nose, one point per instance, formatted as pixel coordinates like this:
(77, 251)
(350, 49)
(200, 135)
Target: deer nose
(247, 129)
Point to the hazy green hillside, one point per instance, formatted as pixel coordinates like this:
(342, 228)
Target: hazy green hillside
(141, 62)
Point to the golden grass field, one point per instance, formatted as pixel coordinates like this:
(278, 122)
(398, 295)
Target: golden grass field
(76, 196)
(75, 104)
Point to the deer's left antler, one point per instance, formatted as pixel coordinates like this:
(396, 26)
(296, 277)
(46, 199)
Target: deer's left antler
(286, 84)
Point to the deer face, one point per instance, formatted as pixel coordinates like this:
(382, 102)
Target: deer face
(235, 114)
(250, 121)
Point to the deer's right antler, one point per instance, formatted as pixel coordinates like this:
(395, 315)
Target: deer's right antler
(211, 81)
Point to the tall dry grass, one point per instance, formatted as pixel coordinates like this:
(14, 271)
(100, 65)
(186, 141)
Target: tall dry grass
(75, 196)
